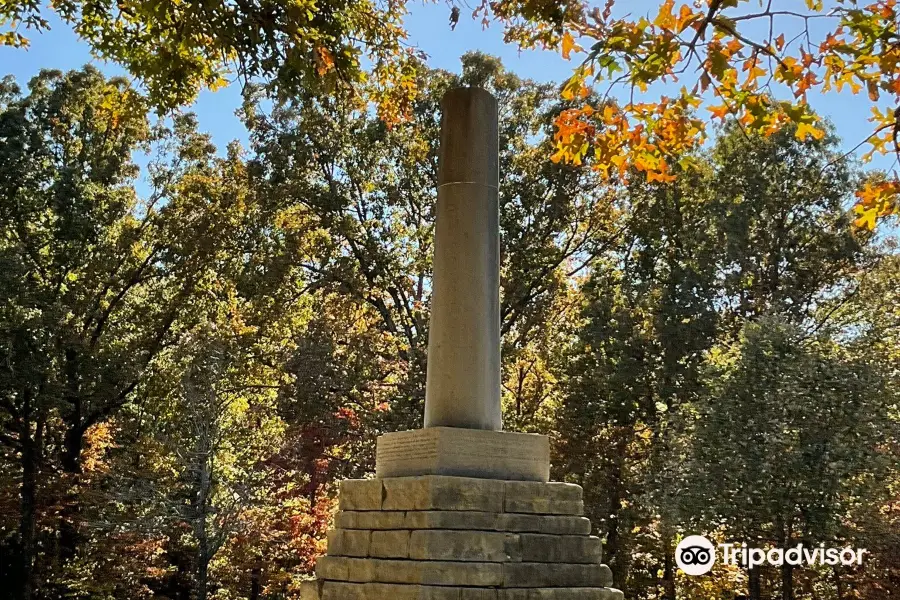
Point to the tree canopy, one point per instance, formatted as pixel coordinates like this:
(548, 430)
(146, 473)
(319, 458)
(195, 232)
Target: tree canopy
(753, 61)
(190, 362)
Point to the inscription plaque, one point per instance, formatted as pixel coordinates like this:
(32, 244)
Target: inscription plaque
(463, 452)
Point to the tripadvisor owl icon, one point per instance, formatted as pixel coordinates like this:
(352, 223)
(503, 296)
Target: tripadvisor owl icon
(695, 555)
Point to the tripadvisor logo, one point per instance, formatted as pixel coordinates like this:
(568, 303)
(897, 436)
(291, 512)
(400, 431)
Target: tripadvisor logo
(696, 555)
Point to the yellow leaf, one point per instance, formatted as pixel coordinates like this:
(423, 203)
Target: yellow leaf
(665, 19)
(866, 217)
(804, 129)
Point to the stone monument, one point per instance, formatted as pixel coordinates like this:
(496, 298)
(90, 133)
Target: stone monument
(460, 510)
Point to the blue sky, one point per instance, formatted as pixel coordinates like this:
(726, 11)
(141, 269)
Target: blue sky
(430, 31)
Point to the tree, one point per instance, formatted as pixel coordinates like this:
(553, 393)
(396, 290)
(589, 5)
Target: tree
(780, 205)
(371, 188)
(98, 284)
(793, 434)
(647, 315)
(76, 267)
(178, 48)
(757, 65)
(755, 227)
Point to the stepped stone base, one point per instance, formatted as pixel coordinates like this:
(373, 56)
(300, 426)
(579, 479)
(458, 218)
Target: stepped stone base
(437, 537)
(463, 452)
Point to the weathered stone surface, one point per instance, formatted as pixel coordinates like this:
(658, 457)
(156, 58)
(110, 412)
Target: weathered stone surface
(334, 590)
(542, 498)
(560, 548)
(335, 568)
(541, 506)
(478, 594)
(463, 380)
(527, 575)
(360, 494)
(352, 519)
(448, 519)
(552, 490)
(465, 453)
(555, 524)
(365, 570)
(348, 542)
(389, 544)
(478, 546)
(593, 593)
(436, 492)
(310, 590)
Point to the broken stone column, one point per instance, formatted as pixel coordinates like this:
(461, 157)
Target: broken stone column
(462, 394)
(460, 510)
(463, 380)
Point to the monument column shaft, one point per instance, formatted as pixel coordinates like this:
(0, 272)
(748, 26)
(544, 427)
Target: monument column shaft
(463, 378)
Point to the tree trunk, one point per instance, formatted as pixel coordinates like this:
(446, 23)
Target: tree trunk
(754, 586)
(201, 528)
(71, 458)
(203, 574)
(838, 584)
(787, 570)
(255, 586)
(71, 463)
(617, 562)
(28, 516)
(669, 573)
(787, 581)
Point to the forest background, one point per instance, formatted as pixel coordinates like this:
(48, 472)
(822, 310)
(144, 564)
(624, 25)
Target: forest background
(198, 342)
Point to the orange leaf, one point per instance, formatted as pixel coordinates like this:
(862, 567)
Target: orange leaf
(568, 44)
(719, 112)
(324, 60)
(779, 42)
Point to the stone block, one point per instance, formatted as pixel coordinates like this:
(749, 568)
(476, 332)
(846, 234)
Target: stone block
(477, 594)
(310, 590)
(335, 568)
(360, 494)
(554, 524)
(352, 519)
(436, 519)
(389, 544)
(477, 546)
(560, 594)
(348, 542)
(435, 492)
(543, 498)
(439, 519)
(463, 452)
(527, 575)
(560, 548)
(412, 572)
(336, 590)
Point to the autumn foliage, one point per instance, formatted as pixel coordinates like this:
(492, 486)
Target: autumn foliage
(758, 62)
